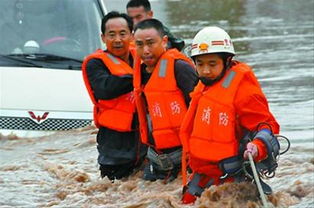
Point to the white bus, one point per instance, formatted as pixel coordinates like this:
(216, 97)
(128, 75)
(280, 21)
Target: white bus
(43, 44)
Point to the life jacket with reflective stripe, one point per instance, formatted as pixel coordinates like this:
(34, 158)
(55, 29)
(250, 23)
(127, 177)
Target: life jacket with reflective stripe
(116, 113)
(165, 101)
(212, 135)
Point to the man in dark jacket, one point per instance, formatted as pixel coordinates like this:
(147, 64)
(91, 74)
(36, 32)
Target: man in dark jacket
(108, 78)
(140, 10)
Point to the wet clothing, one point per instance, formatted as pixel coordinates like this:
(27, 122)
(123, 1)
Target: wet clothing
(116, 113)
(173, 78)
(165, 101)
(171, 82)
(119, 151)
(185, 76)
(219, 116)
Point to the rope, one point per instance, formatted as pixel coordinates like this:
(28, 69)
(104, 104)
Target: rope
(258, 182)
(287, 140)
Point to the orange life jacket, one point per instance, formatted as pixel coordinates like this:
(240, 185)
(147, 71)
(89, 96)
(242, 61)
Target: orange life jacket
(209, 129)
(165, 101)
(116, 113)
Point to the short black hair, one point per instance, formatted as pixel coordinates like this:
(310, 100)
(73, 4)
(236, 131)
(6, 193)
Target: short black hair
(151, 23)
(115, 14)
(139, 3)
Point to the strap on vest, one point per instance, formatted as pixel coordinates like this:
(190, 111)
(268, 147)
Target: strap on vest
(165, 162)
(231, 166)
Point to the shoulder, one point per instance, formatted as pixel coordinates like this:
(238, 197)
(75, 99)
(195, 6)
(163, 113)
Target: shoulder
(246, 71)
(180, 62)
(96, 54)
(93, 57)
(185, 72)
(183, 65)
(95, 62)
(250, 90)
(241, 66)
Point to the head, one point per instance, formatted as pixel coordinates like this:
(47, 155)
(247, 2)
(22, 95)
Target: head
(116, 31)
(212, 52)
(150, 41)
(139, 10)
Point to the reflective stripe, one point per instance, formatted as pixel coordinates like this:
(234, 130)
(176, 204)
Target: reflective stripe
(113, 59)
(163, 67)
(228, 80)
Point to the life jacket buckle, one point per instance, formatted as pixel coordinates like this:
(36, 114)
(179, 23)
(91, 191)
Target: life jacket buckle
(230, 166)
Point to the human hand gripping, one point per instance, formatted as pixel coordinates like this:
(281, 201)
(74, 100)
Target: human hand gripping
(250, 148)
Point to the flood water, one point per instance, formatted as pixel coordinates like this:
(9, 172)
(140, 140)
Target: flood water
(275, 37)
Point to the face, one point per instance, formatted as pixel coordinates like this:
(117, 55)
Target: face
(117, 37)
(139, 14)
(150, 46)
(209, 65)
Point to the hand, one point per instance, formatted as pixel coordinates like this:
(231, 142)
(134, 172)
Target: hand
(250, 148)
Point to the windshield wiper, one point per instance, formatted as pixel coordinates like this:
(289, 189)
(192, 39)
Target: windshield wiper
(21, 61)
(46, 56)
(57, 57)
(55, 61)
(52, 57)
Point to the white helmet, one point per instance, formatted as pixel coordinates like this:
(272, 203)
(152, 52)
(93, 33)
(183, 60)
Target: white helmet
(211, 40)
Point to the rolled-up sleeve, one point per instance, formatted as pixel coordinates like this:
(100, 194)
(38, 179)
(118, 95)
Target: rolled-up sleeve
(252, 110)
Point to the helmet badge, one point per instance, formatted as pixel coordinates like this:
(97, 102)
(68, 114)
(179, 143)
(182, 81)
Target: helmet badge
(203, 47)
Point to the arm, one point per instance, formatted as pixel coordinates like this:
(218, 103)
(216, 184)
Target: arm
(252, 108)
(186, 78)
(105, 85)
